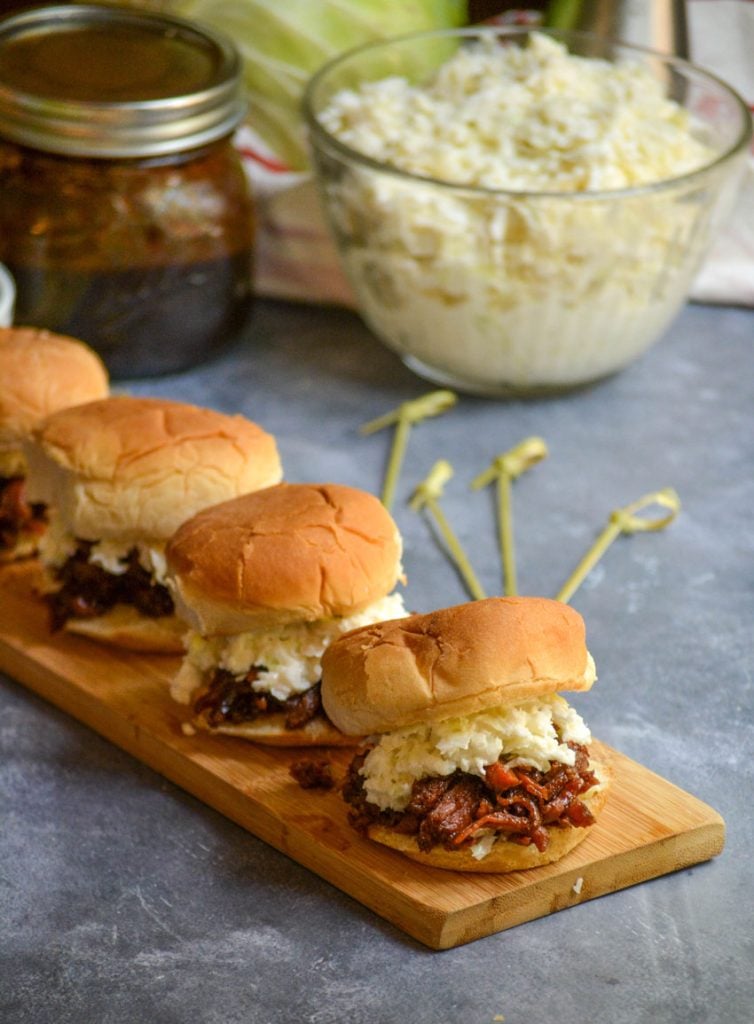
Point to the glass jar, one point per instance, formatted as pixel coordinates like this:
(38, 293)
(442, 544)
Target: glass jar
(125, 214)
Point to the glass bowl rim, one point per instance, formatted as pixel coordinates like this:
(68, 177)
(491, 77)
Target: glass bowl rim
(510, 31)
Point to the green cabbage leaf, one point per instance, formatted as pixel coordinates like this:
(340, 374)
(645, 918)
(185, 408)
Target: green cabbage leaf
(283, 42)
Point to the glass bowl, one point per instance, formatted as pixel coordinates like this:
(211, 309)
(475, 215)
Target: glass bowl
(501, 292)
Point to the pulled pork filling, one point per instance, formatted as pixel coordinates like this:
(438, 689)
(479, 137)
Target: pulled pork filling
(230, 700)
(520, 803)
(87, 590)
(18, 517)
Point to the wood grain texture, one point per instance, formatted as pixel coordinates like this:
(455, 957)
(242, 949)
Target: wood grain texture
(648, 828)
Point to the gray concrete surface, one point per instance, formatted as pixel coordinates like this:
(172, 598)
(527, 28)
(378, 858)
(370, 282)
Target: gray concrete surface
(122, 899)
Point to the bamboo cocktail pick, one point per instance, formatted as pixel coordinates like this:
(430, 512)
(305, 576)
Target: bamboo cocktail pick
(622, 520)
(427, 495)
(432, 404)
(505, 468)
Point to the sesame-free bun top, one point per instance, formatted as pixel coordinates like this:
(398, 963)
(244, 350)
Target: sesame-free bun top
(42, 372)
(128, 468)
(455, 661)
(291, 553)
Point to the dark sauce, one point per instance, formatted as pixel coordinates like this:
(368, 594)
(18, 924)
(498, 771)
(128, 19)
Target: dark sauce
(149, 261)
(142, 322)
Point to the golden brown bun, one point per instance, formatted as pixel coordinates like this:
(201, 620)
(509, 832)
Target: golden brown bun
(454, 661)
(130, 469)
(42, 372)
(295, 552)
(124, 626)
(504, 855)
(270, 730)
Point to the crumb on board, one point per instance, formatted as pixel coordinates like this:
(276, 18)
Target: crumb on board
(187, 729)
(311, 774)
(577, 885)
(498, 1018)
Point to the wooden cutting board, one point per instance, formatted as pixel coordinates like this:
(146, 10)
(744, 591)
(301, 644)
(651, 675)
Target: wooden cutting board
(648, 828)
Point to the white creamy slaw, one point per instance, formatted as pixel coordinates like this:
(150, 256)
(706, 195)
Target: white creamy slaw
(58, 544)
(12, 462)
(518, 290)
(291, 654)
(534, 118)
(533, 733)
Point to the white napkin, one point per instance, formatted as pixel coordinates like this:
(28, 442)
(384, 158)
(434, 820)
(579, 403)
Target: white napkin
(727, 274)
(722, 40)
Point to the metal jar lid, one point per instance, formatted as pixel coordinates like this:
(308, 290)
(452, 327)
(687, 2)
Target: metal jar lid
(84, 80)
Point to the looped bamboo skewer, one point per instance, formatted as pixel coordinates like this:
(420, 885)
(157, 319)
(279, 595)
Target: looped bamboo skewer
(505, 468)
(622, 520)
(427, 495)
(404, 417)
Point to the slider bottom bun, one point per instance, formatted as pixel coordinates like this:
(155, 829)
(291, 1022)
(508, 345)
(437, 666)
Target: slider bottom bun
(270, 729)
(124, 626)
(505, 855)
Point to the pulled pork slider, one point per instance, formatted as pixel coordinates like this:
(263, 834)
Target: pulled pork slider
(41, 372)
(120, 476)
(474, 763)
(266, 582)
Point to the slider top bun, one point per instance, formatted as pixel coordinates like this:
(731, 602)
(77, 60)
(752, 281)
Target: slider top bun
(127, 468)
(42, 372)
(295, 552)
(455, 661)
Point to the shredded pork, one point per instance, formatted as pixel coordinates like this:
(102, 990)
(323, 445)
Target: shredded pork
(229, 699)
(87, 590)
(18, 518)
(519, 803)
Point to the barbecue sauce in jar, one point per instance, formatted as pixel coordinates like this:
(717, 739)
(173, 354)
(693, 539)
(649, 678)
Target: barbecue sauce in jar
(125, 214)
